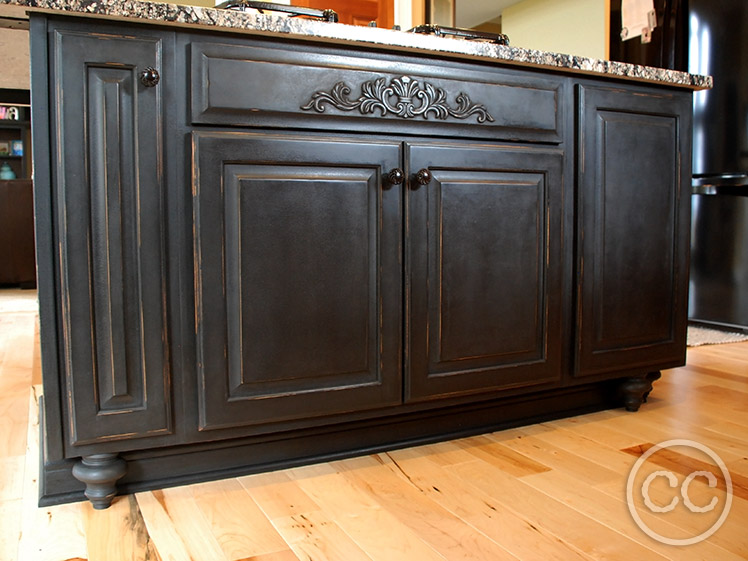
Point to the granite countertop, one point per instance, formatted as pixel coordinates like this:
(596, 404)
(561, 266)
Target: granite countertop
(251, 22)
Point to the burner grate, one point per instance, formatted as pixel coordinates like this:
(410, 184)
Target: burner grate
(456, 32)
(325, 15)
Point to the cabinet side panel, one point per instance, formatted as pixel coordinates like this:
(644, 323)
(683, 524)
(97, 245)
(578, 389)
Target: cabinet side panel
(43, 111)
(110, 185)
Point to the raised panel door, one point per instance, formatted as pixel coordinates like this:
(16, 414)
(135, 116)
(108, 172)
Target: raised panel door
(485, 258)
(298, 279)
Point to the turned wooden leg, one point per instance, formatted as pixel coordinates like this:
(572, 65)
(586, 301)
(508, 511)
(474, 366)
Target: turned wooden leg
(635, 391)
(652, 377)
(100, 473)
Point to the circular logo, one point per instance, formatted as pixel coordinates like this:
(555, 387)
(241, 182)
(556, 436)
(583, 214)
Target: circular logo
(665, 483)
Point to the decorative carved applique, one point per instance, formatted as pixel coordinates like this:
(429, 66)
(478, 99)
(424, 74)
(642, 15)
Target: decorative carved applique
(404, 97)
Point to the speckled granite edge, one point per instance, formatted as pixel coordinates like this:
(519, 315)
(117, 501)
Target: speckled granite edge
(266, 23)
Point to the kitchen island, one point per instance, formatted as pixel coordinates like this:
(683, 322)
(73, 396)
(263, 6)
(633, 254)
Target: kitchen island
(266, 241)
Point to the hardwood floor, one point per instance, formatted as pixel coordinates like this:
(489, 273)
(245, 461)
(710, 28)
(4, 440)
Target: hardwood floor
(552, 491)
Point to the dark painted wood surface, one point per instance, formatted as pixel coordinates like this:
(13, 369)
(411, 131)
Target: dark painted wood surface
(111, 231)
(298, 276)
(248, 84)
(485, 254)
(226, 271)
(634, 201)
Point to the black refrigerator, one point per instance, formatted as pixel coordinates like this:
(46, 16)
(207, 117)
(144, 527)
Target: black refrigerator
(709, 37)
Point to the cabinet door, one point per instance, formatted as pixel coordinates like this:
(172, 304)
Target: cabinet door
(111, 231)
(298, 277)
(634, 197)
(485, 260)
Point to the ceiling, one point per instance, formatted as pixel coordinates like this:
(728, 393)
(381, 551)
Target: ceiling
(469, 13)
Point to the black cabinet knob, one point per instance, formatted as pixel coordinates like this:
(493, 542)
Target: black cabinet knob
(149, 77)
(396, 176)
(423, 176)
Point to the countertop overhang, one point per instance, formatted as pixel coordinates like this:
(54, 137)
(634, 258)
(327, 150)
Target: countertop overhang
(298, 28)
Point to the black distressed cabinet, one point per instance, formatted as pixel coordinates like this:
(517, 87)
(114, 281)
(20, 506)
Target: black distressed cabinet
(260, 252)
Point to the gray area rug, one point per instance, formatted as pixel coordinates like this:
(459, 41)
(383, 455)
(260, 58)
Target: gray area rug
(703, 336)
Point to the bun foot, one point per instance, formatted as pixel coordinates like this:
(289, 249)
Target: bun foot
(652, 377)
(634, 391)
(100, 473)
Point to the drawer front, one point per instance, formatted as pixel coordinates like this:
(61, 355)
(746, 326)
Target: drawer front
(254, 85)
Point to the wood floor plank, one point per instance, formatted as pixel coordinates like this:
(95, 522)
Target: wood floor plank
(731, 534)
(733, 430)
(551, 455)
(10, 528)
(313, 535)
(240, 527)
(16, 359)
(712, 375)
(589, 427)
(285, 555)
(678, 462)
(11, 477)
(50, 533)
(181, 506)
(739, 467)
(118, 533)
(646, 428)
(277, 495)
(704, 403)
(298, 519)
(14, 415)
(442, 530)
(376, 531)
(36, 363)
(166, 537)
(448, 453)
(613, 512)
(589, 450)
(502, 457)
(727, 359)
(518, 535)
(579, 530)
(727, 447)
